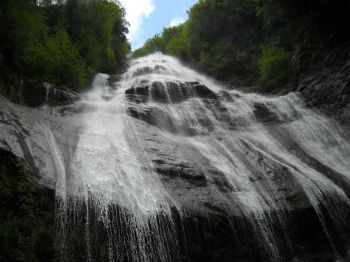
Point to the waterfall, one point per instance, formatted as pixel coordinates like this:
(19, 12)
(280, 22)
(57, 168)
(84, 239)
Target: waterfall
(165, 143)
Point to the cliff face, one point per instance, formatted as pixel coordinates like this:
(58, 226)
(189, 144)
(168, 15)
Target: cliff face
(230, 174)
(327, 87)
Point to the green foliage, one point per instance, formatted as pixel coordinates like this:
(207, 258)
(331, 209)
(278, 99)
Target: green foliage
(176, 40)
(308, 28)
(57, 61)
(22, 25)
(99, 30)
(155, 44)
(26, 214)
(61, 42)
(216, 38)
(255, 40)
(274, 66)
(172, 41)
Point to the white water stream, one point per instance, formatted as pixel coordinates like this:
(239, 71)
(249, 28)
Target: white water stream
(243, 136)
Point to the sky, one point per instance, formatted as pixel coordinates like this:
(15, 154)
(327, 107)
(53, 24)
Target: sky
(149, 17)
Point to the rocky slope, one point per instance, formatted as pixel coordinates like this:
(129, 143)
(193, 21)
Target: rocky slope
(245, 176)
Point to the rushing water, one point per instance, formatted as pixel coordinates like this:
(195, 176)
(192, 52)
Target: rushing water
(253, 157)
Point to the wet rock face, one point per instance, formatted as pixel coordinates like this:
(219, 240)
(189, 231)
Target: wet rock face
(177, 92)
(202, 91)
(328, 89)
(215, 109)
(211, 108)
(222, 136)
(170, 145)
(139, 94)
(264, 114)
(34, 93)
(159, 92)
(23, 134)
(186, 172)
(169, 92)
(145, 70)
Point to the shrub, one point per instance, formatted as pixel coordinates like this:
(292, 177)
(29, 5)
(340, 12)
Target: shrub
(274, 66)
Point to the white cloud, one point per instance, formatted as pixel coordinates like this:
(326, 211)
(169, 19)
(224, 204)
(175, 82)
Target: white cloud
(136, 12)
(177, 21)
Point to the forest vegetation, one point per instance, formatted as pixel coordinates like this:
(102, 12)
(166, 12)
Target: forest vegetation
(26, 214)
(63, 43)
(268, 42)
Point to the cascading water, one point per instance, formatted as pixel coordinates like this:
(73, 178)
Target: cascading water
(165, 148)
(107, 178)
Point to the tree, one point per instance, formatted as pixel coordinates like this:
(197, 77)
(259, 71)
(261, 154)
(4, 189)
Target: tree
(61, 42)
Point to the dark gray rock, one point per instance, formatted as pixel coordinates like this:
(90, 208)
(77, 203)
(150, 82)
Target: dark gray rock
(328, 88)
(143, 71)
(201, 90)
(159, 92)
(34, 93)
(177, 92)
(264, 114)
